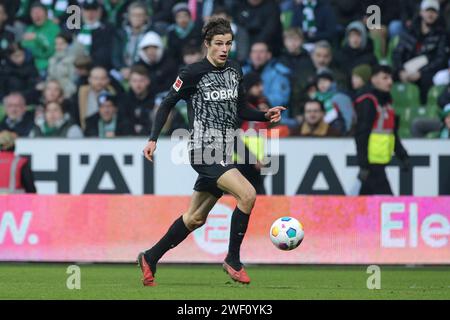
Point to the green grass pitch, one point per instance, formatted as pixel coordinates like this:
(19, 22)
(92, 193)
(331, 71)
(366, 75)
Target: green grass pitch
(186, 282)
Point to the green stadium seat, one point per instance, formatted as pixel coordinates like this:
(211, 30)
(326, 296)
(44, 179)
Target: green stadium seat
(390, 50)
(407, 116)
(405, 95)
(377, 47)
(2, 112)
(433, 110)
(286, 18)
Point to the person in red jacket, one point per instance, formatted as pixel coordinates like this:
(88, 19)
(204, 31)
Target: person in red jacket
(15, 171)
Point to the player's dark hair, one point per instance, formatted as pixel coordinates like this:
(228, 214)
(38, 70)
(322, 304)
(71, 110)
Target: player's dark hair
(381, 68)
(216, 26)
(320, 103)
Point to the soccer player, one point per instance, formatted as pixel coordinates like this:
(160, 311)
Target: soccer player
(215, 96)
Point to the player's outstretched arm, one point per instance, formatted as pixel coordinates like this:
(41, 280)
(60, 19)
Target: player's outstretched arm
(274, 114)
(245, 112)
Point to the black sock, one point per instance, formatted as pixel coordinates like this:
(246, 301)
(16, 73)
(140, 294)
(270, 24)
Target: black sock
(174, 236)
(239, 223)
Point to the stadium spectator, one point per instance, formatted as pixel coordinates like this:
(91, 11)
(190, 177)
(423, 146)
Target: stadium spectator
(316, 18)
(56, 124)
(161, 14)
(445, 132)
(57, 10)
(294, 54)
(261, 20)
(40, 37)
(19, 74)
(422, 50)
(408, 10)
(106, 123)
(6, 34)
(346, 11)
(338, 106)
(137, 104)
(15, 171)
(376, 134)
(203, 10)
(85, 102)
(18, 11)
(298, 60)
(161, 67)
(95, 37)
(61, 65)
(357, 48)
(275, 77)
(255, 98)
(127, 38)
(83, 66)
(52, 92)
(115, 11)
(360, 79)
(314, 124)
(17, 119)
(184, 32)
(192, 54)
(241, 42)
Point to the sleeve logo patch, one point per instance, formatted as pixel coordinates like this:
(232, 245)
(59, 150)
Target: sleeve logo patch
(177, 84)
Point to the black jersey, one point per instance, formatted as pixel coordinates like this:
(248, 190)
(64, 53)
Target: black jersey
(215, 99)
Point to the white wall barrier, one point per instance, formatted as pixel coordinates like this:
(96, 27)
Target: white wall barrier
(305, 166)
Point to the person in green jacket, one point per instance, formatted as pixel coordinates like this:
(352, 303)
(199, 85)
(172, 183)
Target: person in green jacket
(40, 37)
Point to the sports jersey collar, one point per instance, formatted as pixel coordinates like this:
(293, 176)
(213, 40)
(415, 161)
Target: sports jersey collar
(219, 68)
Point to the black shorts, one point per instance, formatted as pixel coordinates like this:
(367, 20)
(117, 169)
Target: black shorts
(208, 174)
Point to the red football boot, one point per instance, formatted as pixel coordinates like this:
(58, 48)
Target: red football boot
(149, 279)
(238, 276)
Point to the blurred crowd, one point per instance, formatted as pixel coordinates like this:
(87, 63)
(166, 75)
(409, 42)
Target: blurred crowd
(107, 76)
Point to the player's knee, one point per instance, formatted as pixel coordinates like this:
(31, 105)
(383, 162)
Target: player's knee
(195, 222)
(248, 198)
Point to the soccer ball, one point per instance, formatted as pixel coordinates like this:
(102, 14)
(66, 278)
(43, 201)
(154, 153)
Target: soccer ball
(286, 233)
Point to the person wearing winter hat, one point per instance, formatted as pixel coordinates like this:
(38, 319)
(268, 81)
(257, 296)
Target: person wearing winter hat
(127, 38)
(360, 79)
(95, 37)
(161, 67)
(357, 48)
(326, 92)
(426, 40)
(184, 32)
(106, 123)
